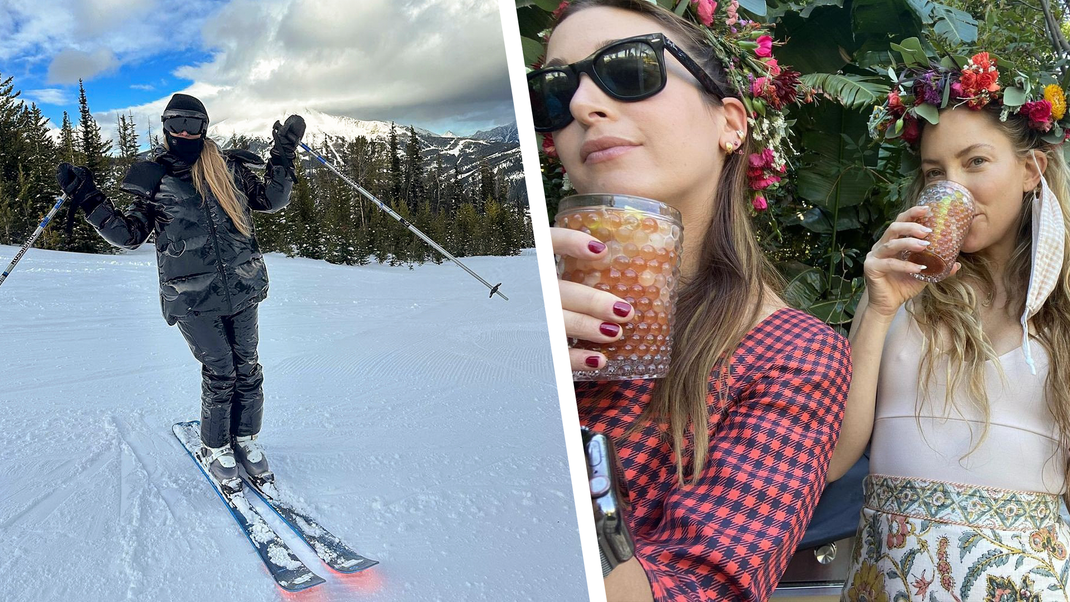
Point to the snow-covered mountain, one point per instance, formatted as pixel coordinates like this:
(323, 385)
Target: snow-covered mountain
(500, 146)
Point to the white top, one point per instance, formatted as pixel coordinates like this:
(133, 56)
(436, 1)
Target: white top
(1021, 449)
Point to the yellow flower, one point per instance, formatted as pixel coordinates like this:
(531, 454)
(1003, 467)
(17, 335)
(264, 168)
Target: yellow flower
(867, 585)
(1054, 94)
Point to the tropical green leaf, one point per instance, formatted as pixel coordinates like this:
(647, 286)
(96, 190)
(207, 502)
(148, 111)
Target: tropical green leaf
(1014, 96)
(928, 112)
(850, 90)
(755, 7)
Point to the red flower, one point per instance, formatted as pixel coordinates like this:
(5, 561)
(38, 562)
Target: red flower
(785, 89)
(548, 146)
(765, 46)
(759, 203)
(774, 67)
(560, 8)
(1038, 113)
(911, 130)
(705, 11)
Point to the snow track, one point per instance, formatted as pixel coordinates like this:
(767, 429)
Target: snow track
(415, 417)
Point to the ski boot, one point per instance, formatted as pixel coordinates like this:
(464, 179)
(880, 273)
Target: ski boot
(222, 467)
(252, 458)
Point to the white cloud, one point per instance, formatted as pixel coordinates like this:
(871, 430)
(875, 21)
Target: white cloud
(429, 62)
(49, 96)
(71, 65)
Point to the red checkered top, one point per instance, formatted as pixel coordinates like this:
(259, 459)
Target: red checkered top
(730, 535)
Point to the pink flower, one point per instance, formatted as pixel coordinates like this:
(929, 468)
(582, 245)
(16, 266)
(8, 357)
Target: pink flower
(560, 8)
(759, 203)
(765, 46)
(733, 14)
(757, 87)
(774, 68)
(765, 159)
(911, 130)
(705, 11)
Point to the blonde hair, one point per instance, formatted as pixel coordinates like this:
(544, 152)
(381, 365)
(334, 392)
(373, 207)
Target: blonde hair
(211, 175)
(715, 309)
(947, 312)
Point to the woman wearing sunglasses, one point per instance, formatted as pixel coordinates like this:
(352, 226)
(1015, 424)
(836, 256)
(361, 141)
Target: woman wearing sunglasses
(724, 460)
(198, 200)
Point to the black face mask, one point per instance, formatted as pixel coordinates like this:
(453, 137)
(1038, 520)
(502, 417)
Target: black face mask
(187, 151)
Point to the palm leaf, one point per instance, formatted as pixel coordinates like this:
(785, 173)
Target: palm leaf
(850, 90)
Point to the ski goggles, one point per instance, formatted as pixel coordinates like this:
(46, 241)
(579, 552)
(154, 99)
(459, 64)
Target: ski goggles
(630, 70)
(190, 122)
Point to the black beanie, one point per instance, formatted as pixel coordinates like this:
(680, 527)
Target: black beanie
(185, 102)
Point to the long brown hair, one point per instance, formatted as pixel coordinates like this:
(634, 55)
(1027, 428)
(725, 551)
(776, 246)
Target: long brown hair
(718, 306)
(211, 175)
(947, 312)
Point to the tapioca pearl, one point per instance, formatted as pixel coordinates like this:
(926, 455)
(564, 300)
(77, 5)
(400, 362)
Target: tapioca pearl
(620, 290)
(660, 316)
(653, 265)
(629, 276)
(613, 275)
(638, 263)
(590, 219)
(636, 290)
(661, 254)
(603, 286)
(585, 230)
(612, 219)
(648, 253)
(646, 278)
(578, 276)
(635, 338)
(643, 303)
(672, 256)
(634, 357)
(657, 304)
(650, 338)
(667, 268)
(659, 281)
(627, 348)
(592, 278)
(601, 233)
(649, 225)
(622, 235)
(650, 316)
(675, 232)
(642, 349)
(658, 241)
(642, 329)
(630, 221)
(621, 263)
(664, 227)
(640, 237)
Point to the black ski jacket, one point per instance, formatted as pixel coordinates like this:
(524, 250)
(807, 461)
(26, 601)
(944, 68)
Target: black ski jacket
(206, 265)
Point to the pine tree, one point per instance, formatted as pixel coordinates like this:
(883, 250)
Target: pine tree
(395, 166)
(10, 149)
(83, 238)
(414, 172)
(68, 146)
(486, 184)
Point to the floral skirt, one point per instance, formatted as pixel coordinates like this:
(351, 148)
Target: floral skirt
(933, 541)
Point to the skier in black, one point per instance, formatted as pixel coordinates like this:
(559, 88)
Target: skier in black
(198, 201)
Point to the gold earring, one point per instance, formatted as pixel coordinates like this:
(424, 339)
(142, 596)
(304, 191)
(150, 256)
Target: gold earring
(729, 146)
(741, 133)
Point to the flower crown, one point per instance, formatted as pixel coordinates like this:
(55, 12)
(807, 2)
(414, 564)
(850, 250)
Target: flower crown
(766, 88)
(924, 87)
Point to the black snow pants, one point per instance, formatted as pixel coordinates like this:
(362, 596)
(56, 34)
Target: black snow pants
(232, 395)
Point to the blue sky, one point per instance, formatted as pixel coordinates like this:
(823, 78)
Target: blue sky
(437, 64)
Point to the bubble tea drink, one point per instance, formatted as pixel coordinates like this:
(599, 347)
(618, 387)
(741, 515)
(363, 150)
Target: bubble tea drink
(641, 265)
(951, 212)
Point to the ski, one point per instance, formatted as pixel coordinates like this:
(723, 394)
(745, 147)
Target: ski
(327, 546)
(288, 571)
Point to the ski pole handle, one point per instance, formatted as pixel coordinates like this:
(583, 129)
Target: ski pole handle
(33, 237)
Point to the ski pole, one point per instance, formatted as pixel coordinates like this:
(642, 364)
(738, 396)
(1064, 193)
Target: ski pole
(33, 237)
(404, 222)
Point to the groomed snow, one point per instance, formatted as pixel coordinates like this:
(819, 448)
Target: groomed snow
(414, 418)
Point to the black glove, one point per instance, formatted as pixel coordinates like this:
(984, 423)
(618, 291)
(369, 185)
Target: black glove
(286, 136)
(77, 184)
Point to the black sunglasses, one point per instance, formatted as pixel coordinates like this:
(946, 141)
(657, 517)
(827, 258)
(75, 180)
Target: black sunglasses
(630, 70)
(191, 122)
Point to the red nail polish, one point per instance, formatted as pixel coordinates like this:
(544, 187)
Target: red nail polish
(596, 247)
(592, 361)
(609, 329)
(621, 308)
